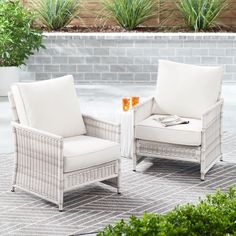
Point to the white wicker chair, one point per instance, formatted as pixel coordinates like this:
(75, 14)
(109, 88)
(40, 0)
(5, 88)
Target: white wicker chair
(40, 166)
(200, 140)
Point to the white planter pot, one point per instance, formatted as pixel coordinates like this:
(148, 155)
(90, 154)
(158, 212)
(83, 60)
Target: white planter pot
(8, 76)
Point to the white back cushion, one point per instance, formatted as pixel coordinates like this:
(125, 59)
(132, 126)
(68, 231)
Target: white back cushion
(50, 105)
(186, 90)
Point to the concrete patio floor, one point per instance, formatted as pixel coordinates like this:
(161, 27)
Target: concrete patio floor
(157, 186)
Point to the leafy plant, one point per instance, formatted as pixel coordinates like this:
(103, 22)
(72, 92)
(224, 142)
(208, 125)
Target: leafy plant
(56, 14)
(213, 216)
(201, 14)
(17, 39)
(130, 13)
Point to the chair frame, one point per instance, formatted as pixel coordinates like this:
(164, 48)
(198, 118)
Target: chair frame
(207, 154)
(39, 161)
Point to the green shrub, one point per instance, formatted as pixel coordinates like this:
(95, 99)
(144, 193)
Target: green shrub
(130, 13)
(201, 14)
(17, 39)
(56, 14)
(214, 216)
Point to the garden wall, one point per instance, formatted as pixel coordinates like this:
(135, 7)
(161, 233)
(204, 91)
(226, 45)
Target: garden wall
(129, 57)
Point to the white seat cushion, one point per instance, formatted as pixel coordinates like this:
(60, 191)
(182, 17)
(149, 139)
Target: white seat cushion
(186, 90)
(85, 151)
(50, 105)
(185, 134)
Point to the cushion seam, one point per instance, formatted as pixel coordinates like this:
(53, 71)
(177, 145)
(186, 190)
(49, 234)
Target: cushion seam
(169, 129)
(72, 156)
(188, 144)
(20, 92)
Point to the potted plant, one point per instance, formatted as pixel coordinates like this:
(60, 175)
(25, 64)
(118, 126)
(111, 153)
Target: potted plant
(18, 40)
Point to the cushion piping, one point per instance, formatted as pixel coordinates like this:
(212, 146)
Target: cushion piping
(169, 129)
(23, 105)
(73, 156)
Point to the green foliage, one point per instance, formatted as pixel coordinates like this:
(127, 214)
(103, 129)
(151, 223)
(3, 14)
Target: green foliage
(201, 14)
(17, 39)
(213, 216)
(130, 13)
(56, 14)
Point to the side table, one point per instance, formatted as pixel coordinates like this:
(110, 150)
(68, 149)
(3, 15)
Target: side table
(127, 133)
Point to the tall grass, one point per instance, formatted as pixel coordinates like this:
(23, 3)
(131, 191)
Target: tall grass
(130, 13)
(56, 14)
(201, 14)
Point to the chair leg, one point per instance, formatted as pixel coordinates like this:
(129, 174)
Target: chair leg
(60, 207)
(134, 162)
(203, 165)
(118, 191)
(14, 179)
(118, 177)
(61, 200)
(221, 157)
(118, 183)
(221, 153)
(202, 176)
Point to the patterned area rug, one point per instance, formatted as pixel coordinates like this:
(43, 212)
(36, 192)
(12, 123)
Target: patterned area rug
(157, 186)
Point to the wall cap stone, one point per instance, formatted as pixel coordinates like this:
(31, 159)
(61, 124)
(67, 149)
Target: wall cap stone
(145, 35)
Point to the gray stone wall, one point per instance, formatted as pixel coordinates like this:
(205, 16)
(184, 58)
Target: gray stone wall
(128, 58)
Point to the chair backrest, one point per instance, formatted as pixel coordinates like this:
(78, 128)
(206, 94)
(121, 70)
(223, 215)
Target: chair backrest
(186, 90)
(12, 103)
(50, 105)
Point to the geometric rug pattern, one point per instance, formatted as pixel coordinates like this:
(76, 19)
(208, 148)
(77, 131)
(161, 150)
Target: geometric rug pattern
(157, 186)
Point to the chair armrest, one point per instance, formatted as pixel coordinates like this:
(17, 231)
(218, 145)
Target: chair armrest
(38, 162)
(143, 110)
(38, 149)
(212, 114)
(102, 129)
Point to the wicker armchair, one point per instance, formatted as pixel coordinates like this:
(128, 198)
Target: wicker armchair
(48, 165)
(200, 140)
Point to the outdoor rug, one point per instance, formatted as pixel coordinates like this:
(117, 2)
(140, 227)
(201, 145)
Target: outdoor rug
(157, 186)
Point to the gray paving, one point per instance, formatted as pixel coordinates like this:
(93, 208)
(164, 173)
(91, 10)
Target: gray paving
(157, 186)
